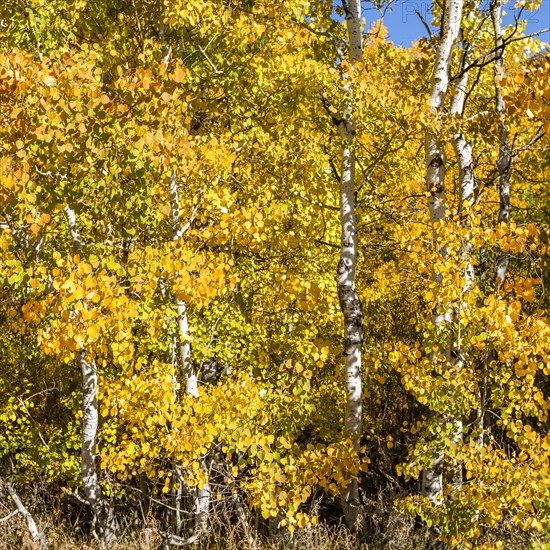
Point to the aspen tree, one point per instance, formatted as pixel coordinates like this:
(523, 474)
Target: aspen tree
(350, 303)
(463, 151)
(107, 528)
(200, 496)
(432, 478)
(504, 161)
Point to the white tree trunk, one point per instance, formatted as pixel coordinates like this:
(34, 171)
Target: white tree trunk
(434, 148)
(184, 347)
(104, 516)
(103, 512)
(463, 151)
(504, 166)
(73, 228)
(202, 508)
(504, 161)
(191, 380)
(350, 303)
(432, 478)
(200, 497)
(463, 148)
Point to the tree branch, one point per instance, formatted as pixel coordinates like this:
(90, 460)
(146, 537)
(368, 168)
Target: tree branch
(316, 203)
(36, 535)
(9, 516)
(430, 33)
(496, 52)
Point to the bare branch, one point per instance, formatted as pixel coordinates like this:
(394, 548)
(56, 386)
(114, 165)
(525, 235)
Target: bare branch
(312, 29)
(496, 52)
(216, 71)
(36, 535)
(538, 135)
(9, 516)
(8, 301)
(327, 243)
(316, 203)
(140, 30)
(430, 33)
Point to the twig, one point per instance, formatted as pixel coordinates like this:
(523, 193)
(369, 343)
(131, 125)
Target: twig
(327, 244)
(9, 516)
(430, 33)
(216, 71)
(496, 52)
(316, 203)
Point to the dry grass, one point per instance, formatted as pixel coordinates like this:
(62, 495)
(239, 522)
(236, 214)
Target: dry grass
(385, 529)
(225, 533)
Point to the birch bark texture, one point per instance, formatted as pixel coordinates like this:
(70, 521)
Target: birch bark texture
(432, 478)
(350, 303)
(104, 516)
(202, 496)
(462, 147)
(434, 147)
(184, 347)
(463, 151)
(504, 160)
(103, 512)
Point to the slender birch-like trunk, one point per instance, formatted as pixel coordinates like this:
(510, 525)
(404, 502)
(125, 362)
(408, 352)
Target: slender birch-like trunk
(504, 166)
(432, 478)
(104, 516)
(462, 147)
(350, 303)
(202, 496)
(184, 347)
(504, 161)
(463, 151)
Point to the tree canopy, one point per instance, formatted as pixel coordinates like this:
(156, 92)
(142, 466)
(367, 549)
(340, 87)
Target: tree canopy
(257, 259)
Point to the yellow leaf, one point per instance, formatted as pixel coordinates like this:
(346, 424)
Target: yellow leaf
(178, 75)
(281, 478)
(49, 80)
(35, 283)
(78, 293)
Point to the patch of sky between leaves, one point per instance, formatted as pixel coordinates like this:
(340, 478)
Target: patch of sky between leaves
(403, 19)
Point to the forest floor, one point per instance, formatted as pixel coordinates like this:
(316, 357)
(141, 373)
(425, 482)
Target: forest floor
(385, 529)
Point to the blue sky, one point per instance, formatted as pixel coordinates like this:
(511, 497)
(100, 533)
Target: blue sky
(404, 25)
